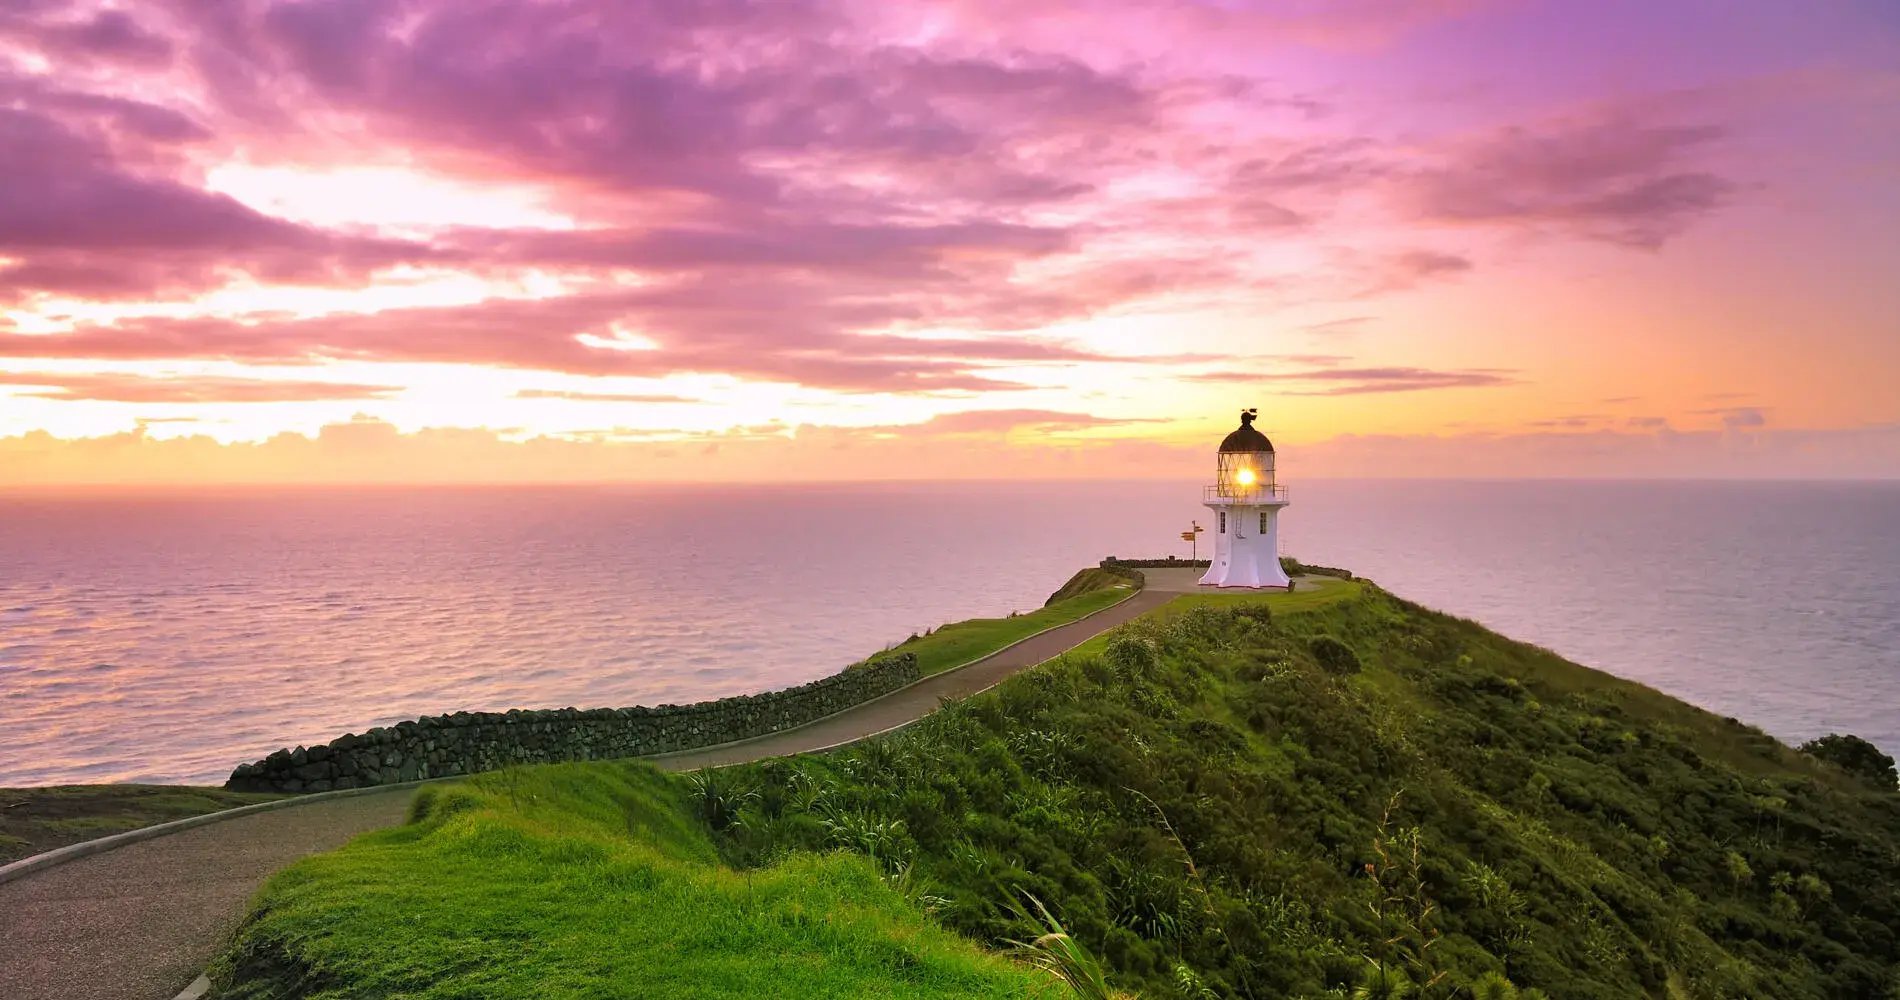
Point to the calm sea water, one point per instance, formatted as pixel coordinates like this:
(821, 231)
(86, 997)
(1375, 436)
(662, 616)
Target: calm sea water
(168, 636)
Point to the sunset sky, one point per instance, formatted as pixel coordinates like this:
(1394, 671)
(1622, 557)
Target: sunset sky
(459, 240)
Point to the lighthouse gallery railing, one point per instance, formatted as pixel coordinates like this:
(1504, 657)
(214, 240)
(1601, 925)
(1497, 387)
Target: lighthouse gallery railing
(1235, 493)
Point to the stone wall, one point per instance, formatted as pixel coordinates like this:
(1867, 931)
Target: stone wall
(1112, 563)
(466, 742)
(1293, 566)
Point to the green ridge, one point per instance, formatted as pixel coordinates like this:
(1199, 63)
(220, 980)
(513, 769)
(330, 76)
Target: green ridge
(1196, 798)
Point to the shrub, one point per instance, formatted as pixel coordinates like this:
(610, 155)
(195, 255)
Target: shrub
(718, 796)
(1255, 612)
(1857, 757)
(1335, 656)
(1132, 655)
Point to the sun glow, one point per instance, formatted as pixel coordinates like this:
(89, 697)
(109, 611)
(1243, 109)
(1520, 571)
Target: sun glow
(384, 198)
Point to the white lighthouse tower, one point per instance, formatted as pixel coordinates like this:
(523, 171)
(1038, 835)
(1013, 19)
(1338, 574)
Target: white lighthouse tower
(1246, 502)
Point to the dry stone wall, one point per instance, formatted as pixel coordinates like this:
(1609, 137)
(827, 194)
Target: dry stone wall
(467, 742)
(1112, 563)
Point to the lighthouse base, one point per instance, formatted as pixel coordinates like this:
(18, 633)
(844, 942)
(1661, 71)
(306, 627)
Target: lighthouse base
(1246, 547)
(1248, 578)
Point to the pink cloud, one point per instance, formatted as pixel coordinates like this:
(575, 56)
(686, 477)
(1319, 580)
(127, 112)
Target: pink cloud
(602, 397)
(695, 333)
(1360, 381)
(791, 192)
(193, 389)
(1001, 421)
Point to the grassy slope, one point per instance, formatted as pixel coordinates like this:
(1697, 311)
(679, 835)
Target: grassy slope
(1308, 596)
(33, 820)
(1085, 581)
(958, 643)
(570, 881)
(1191, 801)
(1188, 798)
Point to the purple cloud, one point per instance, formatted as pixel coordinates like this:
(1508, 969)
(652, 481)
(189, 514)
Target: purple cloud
(105, 36)
(76, 221)
(1618, 179)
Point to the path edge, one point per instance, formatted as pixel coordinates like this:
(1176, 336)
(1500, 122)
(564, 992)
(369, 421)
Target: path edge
(86, 848)
(945, 672)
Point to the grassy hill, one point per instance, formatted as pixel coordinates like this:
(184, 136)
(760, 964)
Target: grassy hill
(1322, 795)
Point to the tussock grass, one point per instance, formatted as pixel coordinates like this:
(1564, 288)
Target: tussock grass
(569, 881)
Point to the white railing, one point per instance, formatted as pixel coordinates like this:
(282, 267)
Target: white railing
(1236, 493)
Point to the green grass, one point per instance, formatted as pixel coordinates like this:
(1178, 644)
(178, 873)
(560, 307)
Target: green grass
(1086, 580)
(957, 644)
(1307, 596)
(1189, 797)
(571, 881)
(35, 820)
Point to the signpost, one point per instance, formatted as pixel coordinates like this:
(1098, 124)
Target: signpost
(1189, 536)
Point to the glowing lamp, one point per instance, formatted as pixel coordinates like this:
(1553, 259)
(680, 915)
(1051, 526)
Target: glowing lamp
(1244, 477)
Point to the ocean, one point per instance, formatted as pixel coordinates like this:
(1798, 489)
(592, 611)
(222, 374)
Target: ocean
(168, 635)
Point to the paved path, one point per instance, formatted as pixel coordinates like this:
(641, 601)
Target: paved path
(920, 699)
(140, 922)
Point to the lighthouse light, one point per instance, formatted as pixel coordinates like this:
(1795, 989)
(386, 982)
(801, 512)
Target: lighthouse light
(1244, 476)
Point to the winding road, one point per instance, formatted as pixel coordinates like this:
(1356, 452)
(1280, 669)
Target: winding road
(140, 922)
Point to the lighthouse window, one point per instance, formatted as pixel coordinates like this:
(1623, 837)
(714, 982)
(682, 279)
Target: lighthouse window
(1263, 522)
(1223, 522)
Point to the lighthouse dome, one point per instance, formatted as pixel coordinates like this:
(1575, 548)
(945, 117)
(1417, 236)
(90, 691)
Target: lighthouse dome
(1245, 438)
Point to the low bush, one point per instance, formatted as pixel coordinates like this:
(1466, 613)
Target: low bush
(1857, 757)
(1333, 656)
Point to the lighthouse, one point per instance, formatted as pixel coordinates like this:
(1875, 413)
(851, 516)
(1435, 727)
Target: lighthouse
(1246, 501)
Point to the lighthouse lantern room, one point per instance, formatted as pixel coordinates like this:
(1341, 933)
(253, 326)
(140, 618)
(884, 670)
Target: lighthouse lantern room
(1246, 501)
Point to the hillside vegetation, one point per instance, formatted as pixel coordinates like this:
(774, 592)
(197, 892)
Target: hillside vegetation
(588, 880)
(958, 643)
(1200, 803)
(1328, 793)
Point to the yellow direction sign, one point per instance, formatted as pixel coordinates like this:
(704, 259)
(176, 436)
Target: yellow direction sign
(1187, 536)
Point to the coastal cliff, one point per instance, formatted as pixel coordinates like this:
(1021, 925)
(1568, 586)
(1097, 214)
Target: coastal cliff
(1232, 796)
